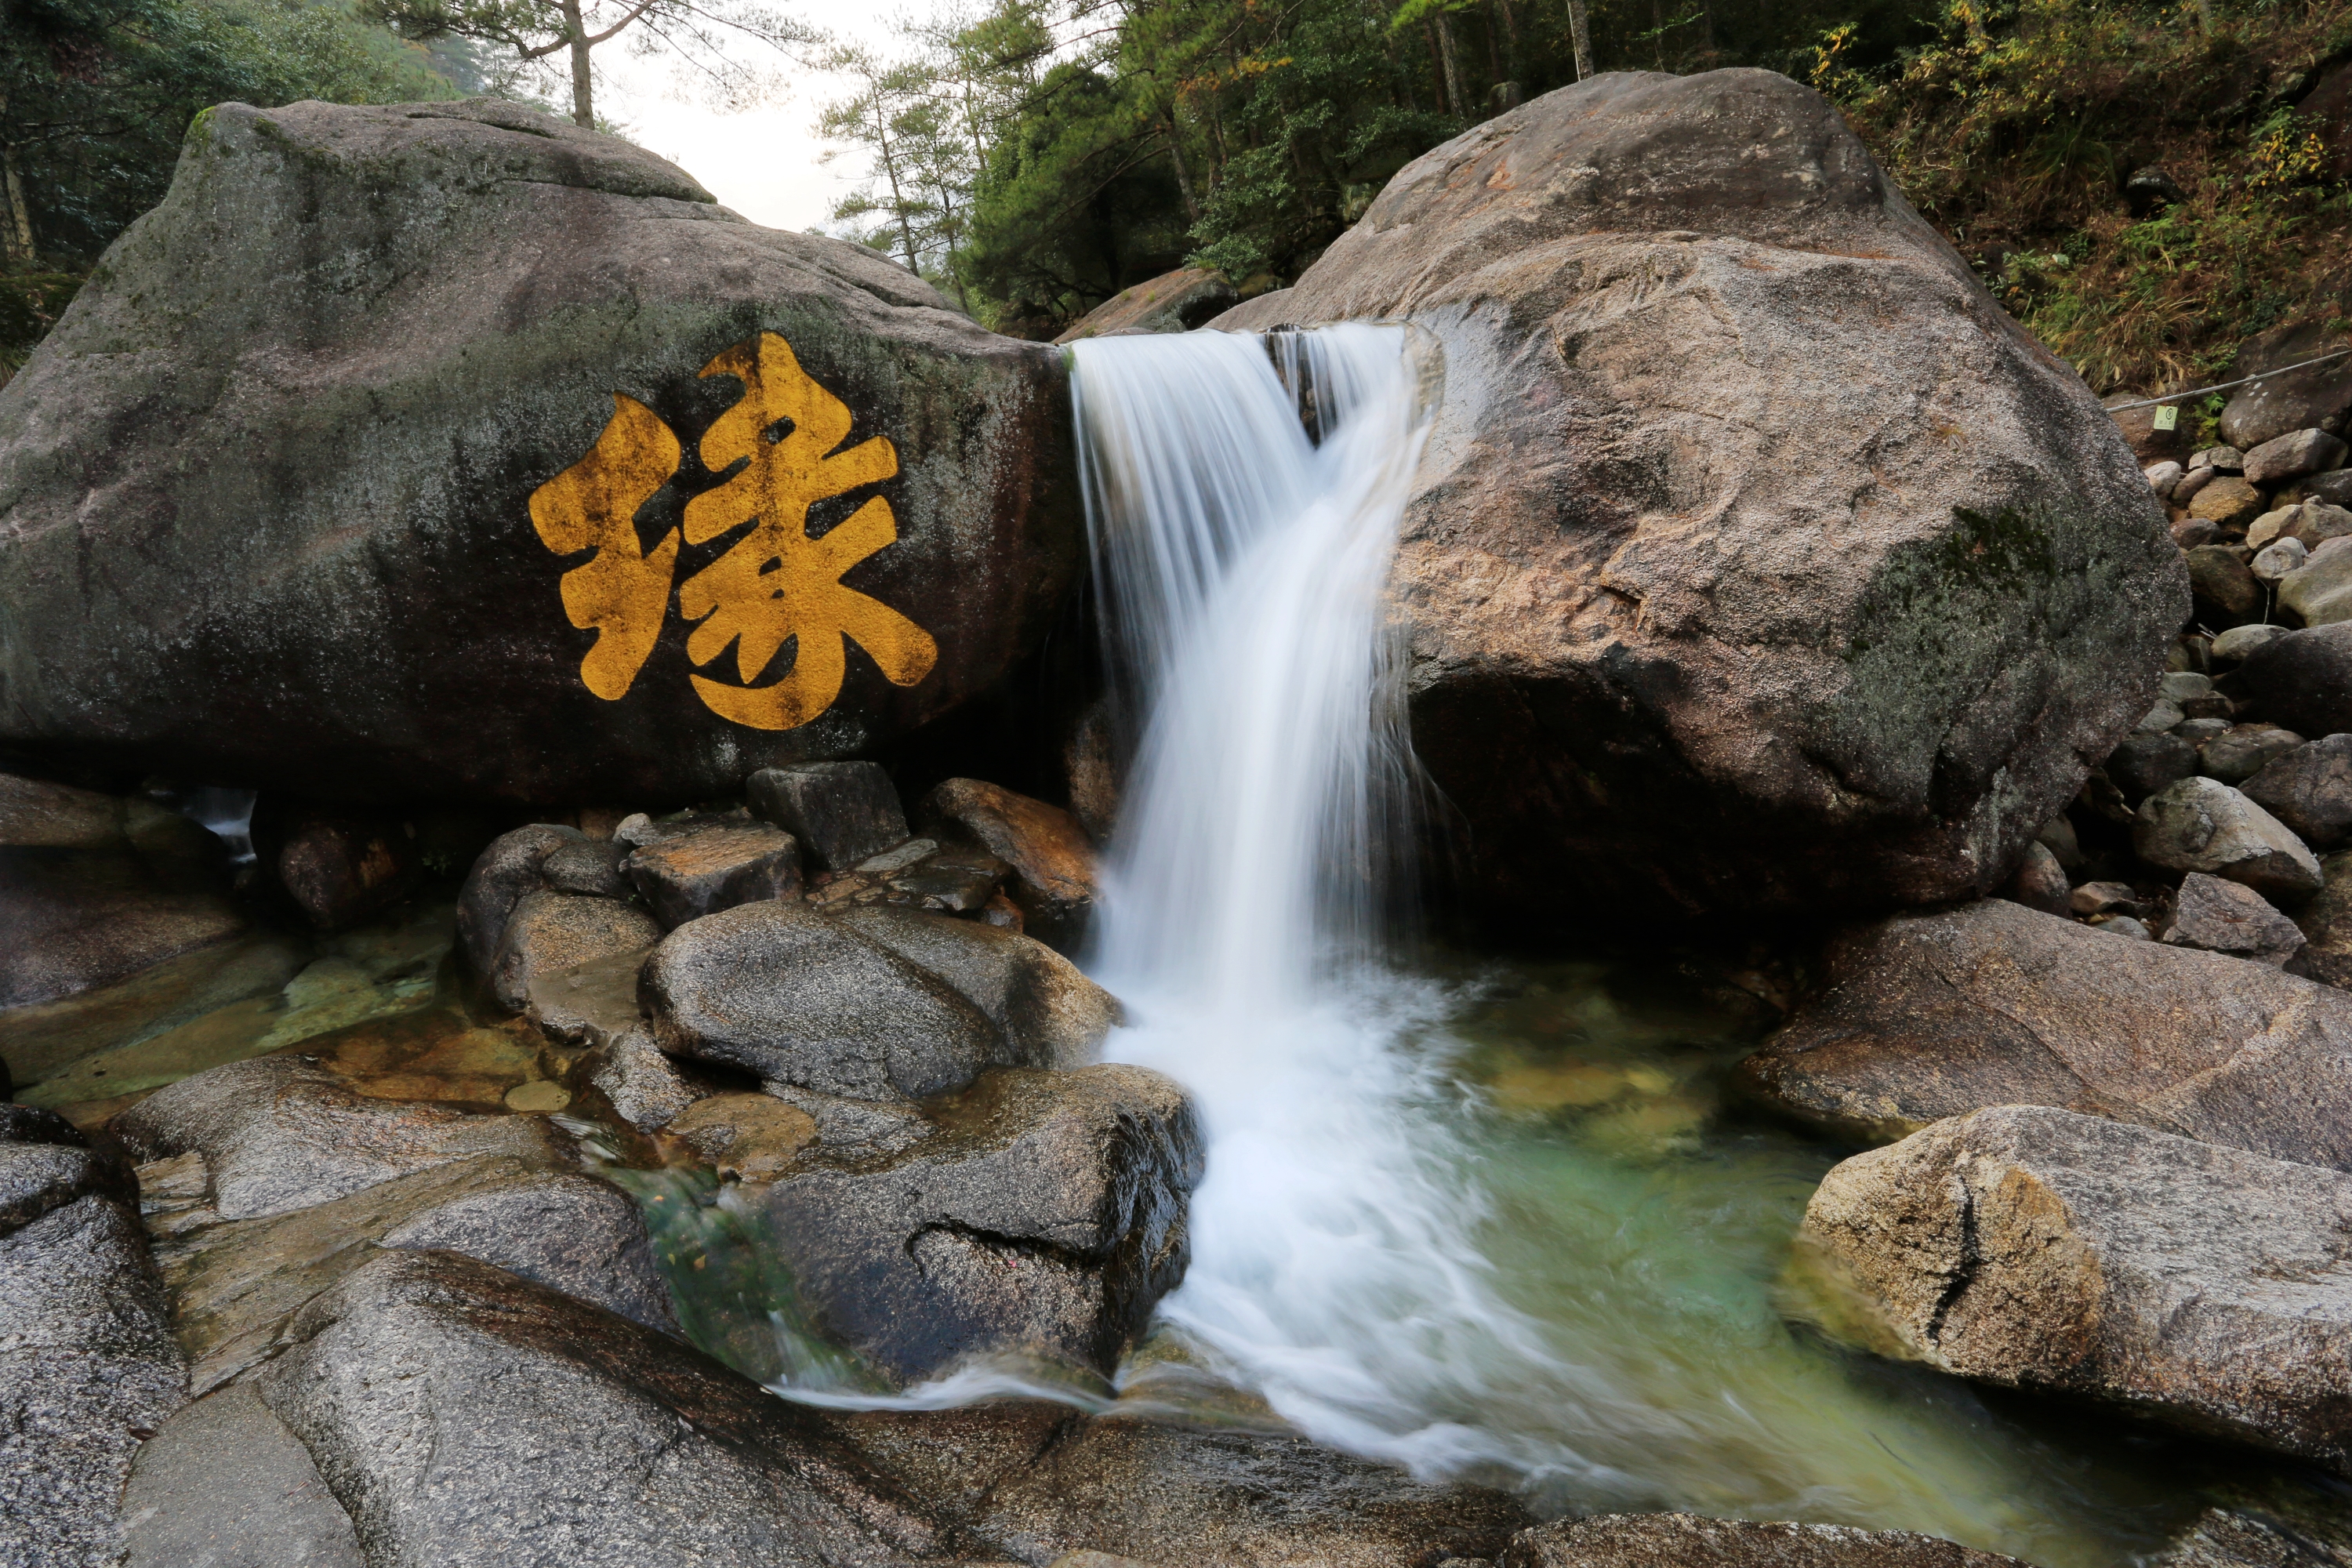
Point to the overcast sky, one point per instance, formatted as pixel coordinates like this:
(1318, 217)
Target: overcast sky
(764, 163)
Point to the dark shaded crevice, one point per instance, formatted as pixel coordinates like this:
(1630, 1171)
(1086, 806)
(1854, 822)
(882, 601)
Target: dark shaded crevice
(997, 1241)
(1965, 1273)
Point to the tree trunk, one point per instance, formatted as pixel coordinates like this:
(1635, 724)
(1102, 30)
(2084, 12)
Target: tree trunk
(1495, 46)
(1581, 27)
(584, 110)
(16, 242)
(16, 238)
(1176, 156)
(890, 172)
(1452, 57)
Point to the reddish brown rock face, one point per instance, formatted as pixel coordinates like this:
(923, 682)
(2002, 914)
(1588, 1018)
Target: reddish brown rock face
(451, 450)
(1759, 562)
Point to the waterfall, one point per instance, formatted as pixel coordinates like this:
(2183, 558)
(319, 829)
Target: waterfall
(1243, 568)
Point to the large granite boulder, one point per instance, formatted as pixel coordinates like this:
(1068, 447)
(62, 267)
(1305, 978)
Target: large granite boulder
(1758, 559)
(1039, 1213)
(1172, 302)
(1926, 1016)
(462, 1416)
(2035, 1247)
(502, 509)
(796, 997)
(2303, 679)
(88, 1365)
(2318, 396)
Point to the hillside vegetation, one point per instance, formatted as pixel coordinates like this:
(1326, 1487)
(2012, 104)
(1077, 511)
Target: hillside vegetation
(2144, 183)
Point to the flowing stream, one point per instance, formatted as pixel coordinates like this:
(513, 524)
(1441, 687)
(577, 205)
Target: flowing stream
(1429, 1233)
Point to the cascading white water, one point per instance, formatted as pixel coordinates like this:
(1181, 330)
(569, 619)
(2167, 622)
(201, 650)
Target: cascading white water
(1243, 568)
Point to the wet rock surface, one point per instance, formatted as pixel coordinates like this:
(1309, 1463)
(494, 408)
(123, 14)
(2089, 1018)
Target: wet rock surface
(513, 865)
(642, 1084)
(1053, 861)
(1038, 1211)
(1689, 1541)
(551, 932)
(697, 874)
(474, 647)
(2193, 1284)
(1928, 1017)
(433, 1408)
(234, 1284)
(461, 1416)
(1033, 1481)
(1689, 658)
(76, 916)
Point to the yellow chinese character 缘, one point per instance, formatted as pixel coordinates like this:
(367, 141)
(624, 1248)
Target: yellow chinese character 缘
(779, 586)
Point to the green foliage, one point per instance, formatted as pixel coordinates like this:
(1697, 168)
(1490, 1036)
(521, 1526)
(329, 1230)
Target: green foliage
(1128, 136)
(2015, 130)
(95, 94)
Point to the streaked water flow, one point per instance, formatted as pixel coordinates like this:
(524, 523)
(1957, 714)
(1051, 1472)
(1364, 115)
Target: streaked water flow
(1578, 1301)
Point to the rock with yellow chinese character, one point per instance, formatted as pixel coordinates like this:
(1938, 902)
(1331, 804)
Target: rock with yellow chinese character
(450, 450)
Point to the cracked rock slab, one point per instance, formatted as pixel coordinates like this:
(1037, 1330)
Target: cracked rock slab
(1926, 1016)
(282, 1133)
(2203, 1287)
